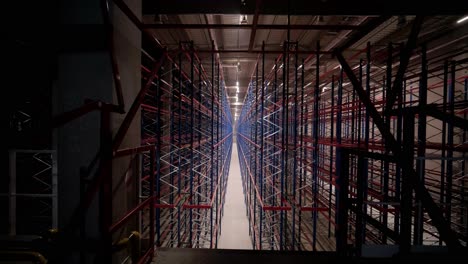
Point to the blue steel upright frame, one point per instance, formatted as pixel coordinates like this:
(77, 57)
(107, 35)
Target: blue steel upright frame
(186, 113)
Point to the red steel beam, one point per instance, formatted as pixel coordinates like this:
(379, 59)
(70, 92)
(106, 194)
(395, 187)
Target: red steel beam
(130, 151)
(120, 135)
(126, 217)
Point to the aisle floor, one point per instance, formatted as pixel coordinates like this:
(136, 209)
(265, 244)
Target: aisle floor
(234, 225)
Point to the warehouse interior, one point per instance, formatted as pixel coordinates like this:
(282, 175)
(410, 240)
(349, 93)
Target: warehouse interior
(147, 131)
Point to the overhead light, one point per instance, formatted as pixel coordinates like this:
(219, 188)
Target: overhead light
(462, 19)
(237, 83)
(243, 19)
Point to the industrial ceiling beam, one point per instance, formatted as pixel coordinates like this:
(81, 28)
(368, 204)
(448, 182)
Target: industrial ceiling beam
(303, 7)
(366, 29)
(254, 24)
(250, 26)
(266, 51)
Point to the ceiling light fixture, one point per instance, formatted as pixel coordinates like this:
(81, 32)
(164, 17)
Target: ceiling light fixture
(462, 19)
(243, 19)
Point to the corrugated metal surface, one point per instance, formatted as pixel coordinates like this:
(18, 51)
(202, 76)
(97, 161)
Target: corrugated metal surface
(281, 20)
(236, 38)
(301, 20)
(276, 37)
(199, 37)
(262, 35)
(234, 19)
(387, 28)
(190, 19)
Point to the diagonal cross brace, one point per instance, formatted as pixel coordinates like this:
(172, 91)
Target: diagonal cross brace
(442, 225)
(405, 55)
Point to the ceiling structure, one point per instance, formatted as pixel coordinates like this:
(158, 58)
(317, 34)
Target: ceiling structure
(304, 7)
(238, 38)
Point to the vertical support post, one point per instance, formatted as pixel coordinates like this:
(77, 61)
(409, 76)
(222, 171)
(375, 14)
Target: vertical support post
(444, 139)
(338, 155)
(179, 145)
(192, 95)
(12, 195)
(158, 161)
(255, 154)
(276, 118)
(218, 149)
(285, 193)
(359, 120)
(359, 232)
(407, 185)
(463, 220)
(283, 145)
(421, 163)
(199, 137)
(332, 122)
(302, 153)
(315, 153)
(294, 178)
(213, 65)
(343, 204)
(151, 204)
(172, 141)
(450, 141)
(387, 119)
(105, 194)
(401, 99)
(262, 99)
(54, 190)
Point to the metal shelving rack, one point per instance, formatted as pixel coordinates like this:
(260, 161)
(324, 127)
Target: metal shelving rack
(330, 162)
(186, 113)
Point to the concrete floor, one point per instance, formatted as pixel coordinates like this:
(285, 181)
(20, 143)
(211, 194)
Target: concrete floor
(234, 225)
